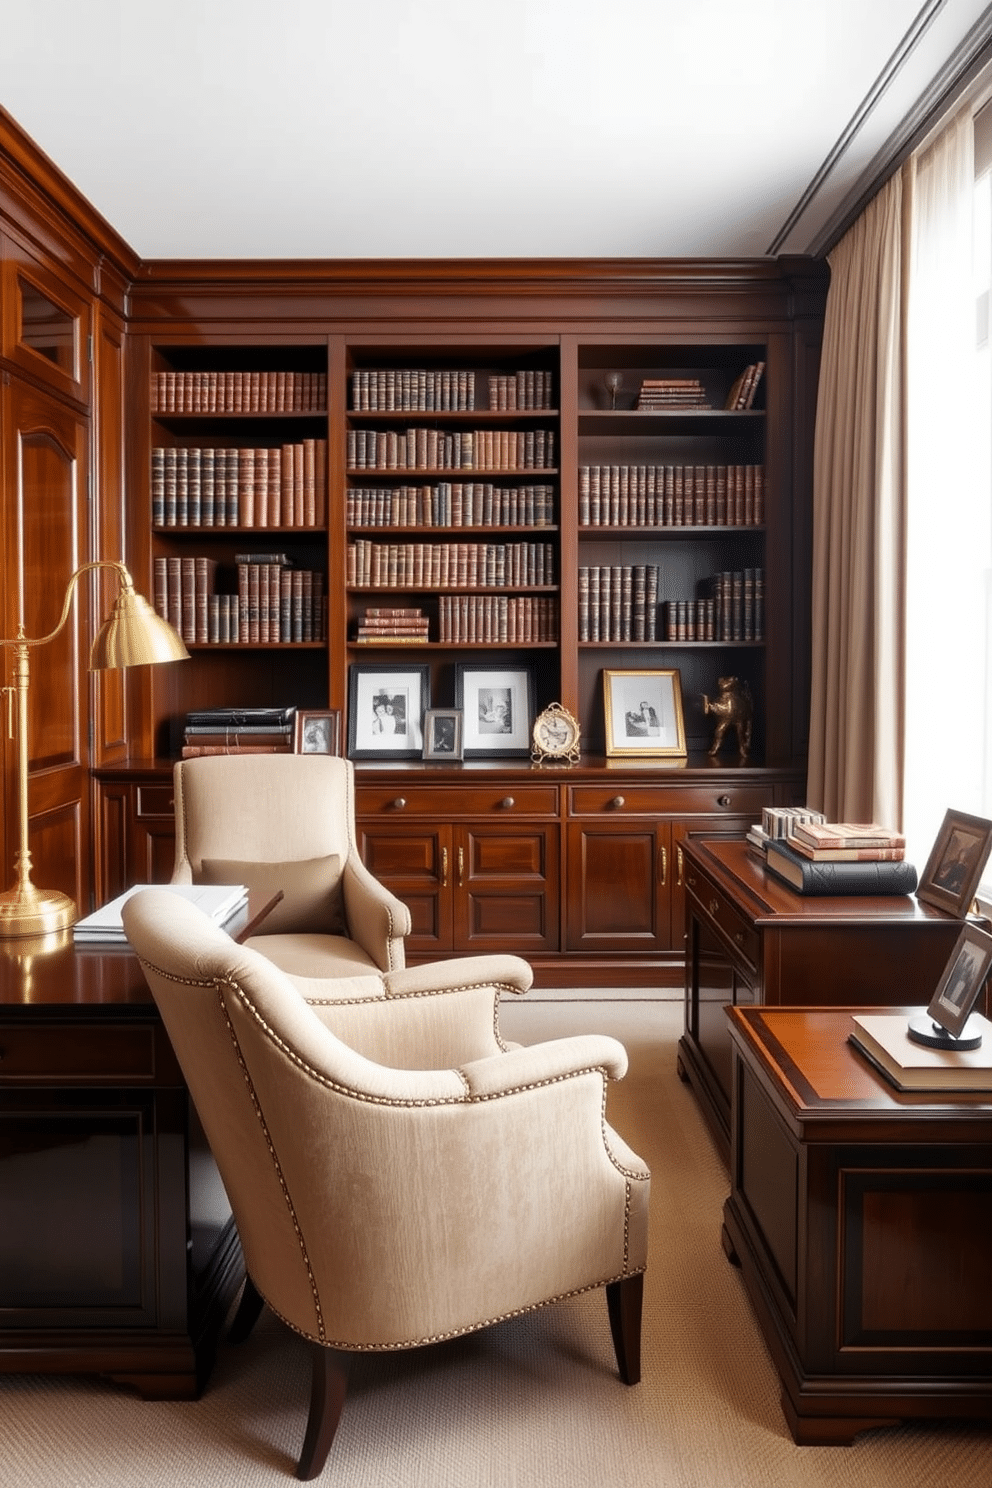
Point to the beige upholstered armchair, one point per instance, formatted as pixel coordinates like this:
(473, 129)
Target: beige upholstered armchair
(397, 1175)
(287, 821)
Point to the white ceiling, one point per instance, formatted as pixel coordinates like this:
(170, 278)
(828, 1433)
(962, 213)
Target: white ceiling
(474, 128)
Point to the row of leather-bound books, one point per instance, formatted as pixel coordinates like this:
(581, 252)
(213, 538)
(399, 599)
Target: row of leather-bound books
(204, 486)
(438, 449)
(270, 602)
(423, 390)
(257, 391)
(671, 495)
(449, 565)
(451, 504)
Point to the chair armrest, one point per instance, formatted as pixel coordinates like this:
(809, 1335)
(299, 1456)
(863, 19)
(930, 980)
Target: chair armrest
(544, 1064)
(377, 920)
(436, 978)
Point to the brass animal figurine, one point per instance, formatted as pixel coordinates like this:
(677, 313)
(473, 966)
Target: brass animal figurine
(733, 708)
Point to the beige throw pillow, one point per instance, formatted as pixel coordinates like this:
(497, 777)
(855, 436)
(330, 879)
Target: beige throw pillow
(311, 892)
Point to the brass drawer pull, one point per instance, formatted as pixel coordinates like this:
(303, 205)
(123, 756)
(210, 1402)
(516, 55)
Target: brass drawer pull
(461, 867)
(399, 803)
(506, 803)
(664, 867)
(617, 802)
(444, 867)
(679, 867)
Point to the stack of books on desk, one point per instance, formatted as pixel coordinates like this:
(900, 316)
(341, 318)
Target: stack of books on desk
(884, 1040)
(239, 731)
(842, 858)
(226, 904)
(776, 824)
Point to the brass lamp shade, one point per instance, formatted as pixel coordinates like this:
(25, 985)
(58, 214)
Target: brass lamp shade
(133, 635)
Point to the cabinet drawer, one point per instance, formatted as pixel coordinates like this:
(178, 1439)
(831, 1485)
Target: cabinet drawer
(667, 800)
(69, 1053)
(443, 803)
(155, 800)
(716, 910)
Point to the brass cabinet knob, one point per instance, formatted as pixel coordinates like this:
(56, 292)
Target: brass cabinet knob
(399, 803)
(714, 906)
(506, 803)
(617, 802)
(724, 800)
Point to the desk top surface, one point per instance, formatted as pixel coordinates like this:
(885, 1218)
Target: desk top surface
(817, 1075)
(765, 899)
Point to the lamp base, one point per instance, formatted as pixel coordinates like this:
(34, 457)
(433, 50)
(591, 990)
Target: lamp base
(26, 910)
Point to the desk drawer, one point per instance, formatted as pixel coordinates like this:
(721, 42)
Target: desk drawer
(446, 802)
(667, 800)
(66, 1053)
(721, 915)
(156, 801)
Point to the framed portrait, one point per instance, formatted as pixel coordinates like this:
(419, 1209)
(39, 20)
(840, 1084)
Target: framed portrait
(317, 731)
(497, 710)
(962, 981)
(442, 734)
(644, 713)
(956, 863)
(386, 710)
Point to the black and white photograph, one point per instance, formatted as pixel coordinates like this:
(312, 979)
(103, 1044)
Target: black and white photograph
(643, 713)
(386, 712)
(497, 709)
(962, 981)
(442, 734)
(317, 731)
(956, 863)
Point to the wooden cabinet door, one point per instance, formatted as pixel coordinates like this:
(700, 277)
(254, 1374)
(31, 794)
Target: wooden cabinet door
(506, 887)
(45, 478)
(414, 860)
(618, 877)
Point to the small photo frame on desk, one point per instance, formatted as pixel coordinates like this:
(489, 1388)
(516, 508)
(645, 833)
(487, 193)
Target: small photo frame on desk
(956, 863)
(317, 731)
(497, 710)
(442, 734)
(386, 711)
(963, 979)
(644, 714)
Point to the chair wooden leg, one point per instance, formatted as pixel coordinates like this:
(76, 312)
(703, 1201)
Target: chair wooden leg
(328, 1386)
(624, 1300)
(247, 1315)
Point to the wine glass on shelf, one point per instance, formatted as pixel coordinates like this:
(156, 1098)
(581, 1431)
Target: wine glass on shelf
(614, 382)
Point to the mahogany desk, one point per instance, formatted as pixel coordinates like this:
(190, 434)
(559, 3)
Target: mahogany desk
(860, 1217)
(750, 939)
(118, 1252)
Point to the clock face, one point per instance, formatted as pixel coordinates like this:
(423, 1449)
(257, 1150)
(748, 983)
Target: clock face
(556, 732)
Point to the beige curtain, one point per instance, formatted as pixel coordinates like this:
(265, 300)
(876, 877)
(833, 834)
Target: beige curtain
(856, 730)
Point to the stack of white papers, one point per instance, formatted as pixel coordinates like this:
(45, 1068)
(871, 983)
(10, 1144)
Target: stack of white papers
(222, 902)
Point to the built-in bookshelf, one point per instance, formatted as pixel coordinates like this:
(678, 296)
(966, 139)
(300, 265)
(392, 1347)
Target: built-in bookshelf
(671, 516)
(238, 494)
(471, 498)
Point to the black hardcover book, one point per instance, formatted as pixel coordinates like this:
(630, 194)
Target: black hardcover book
(809, 877)
(221, 719)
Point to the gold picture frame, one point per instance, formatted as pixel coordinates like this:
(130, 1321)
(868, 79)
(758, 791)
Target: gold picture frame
(644, 714)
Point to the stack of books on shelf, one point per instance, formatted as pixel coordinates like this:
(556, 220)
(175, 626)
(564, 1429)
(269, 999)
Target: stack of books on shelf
(226, 904)
(735, 611)
(412, 390)
(450, 565)
(741, 395)
(433, 449)
(483, 619)
(842, 858)
(399, 626)
(451, 504)
(520, 390)
(665, 393)
(671, 495)
(239, 731)
(281, 486)
(618, 602)
(273, 602)
(239, 392)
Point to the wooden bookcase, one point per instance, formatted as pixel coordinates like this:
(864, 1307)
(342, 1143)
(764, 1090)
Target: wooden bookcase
(579, 868)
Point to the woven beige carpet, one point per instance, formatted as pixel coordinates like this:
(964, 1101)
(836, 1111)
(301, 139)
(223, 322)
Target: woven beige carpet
(534, 1403)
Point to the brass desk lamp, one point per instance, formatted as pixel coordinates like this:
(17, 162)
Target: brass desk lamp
(134, 635)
